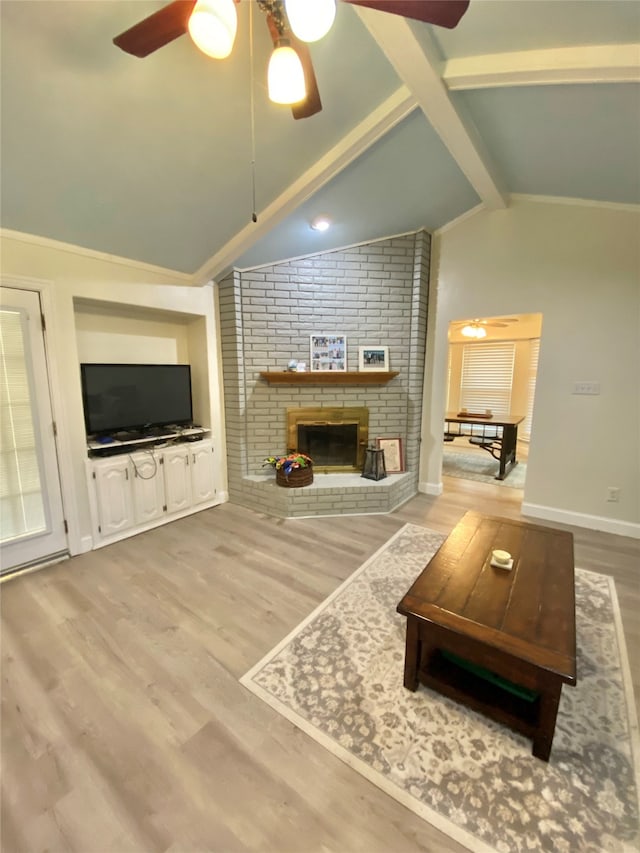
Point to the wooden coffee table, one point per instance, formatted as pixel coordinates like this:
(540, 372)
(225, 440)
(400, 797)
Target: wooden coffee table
(502, 642)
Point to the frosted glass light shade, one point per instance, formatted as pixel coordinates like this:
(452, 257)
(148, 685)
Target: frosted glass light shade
(310, 20)
(213, 25)
(474, 331)
(285, 76)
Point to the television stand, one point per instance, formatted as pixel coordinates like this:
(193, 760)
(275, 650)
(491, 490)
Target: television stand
(127, 441)
(139, 484)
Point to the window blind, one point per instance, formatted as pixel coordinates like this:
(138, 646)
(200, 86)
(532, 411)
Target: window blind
(21, 502)
(487, 375)
(534, 355)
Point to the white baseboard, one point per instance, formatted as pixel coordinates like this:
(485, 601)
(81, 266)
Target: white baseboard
(579, 519)
(430, 488)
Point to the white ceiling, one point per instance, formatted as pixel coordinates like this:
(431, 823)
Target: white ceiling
(151, 159)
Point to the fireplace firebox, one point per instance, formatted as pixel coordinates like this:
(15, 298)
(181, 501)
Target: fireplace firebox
(334, 437)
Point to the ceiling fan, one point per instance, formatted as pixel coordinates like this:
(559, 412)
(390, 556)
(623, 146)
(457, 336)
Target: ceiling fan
(477, 328)
(282, 17)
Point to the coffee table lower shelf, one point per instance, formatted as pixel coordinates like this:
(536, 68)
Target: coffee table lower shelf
(445, 676)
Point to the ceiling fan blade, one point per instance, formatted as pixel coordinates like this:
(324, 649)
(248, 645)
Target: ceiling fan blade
(442, 13)
(158, 29)
(312, 103)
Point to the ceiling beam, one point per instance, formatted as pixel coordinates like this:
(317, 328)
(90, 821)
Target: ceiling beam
(378, 123)
(603, 63)
(421, 74)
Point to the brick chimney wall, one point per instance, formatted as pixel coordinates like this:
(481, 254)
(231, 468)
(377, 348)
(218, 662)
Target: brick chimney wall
(375, 294)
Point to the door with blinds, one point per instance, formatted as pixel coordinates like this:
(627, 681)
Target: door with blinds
(32, 528)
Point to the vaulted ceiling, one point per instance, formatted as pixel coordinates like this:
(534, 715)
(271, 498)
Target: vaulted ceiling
(163, 160)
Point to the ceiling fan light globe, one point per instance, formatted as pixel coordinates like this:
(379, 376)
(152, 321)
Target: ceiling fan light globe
(213, 25)
(473, 331)
(285, 77)
(310, 20)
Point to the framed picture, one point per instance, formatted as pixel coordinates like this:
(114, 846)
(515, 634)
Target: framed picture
(328, 352)
(373, 358)
(393, 460)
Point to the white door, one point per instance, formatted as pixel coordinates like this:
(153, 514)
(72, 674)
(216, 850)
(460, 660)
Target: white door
(148, 487)
(114, 494)
(202, 488)
(177, 479)
(32, 527)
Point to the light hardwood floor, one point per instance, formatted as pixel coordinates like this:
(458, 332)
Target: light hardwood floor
(124, 726)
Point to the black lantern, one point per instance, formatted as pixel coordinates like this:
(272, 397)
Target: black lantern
(374, 467)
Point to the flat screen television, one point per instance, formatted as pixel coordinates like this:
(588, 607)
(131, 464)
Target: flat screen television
(119, 397)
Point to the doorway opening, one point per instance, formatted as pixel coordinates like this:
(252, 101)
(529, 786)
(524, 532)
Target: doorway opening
(491, 376)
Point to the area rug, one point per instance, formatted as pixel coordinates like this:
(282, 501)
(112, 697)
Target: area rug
(338, 676)
(481, 467)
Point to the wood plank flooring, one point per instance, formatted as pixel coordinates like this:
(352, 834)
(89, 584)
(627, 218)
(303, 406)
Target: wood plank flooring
(124, 727)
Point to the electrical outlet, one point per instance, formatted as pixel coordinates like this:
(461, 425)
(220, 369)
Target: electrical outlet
(586, 388)
(613, 494)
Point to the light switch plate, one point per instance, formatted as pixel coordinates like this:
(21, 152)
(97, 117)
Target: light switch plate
(586, 388)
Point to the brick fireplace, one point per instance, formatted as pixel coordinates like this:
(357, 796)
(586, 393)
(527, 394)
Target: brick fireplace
(375, 294)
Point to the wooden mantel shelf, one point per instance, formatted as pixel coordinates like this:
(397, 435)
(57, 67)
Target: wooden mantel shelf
(329, 377)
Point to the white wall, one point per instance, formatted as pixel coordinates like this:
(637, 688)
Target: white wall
(579, 266)
(98, 305)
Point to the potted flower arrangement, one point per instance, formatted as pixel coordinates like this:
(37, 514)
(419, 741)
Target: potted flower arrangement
(293, 470)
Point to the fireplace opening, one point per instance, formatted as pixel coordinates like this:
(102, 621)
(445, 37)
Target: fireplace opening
(330, 445)
(335, 438)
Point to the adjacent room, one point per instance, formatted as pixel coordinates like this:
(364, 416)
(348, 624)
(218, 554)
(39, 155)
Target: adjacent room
(320, 419)
(491, 373)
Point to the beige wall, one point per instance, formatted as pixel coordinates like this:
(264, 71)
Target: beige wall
(579, 266)
(106, 309)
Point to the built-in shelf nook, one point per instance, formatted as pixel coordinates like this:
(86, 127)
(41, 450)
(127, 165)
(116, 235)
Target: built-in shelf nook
(328, 377)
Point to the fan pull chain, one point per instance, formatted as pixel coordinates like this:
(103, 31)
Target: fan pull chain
(254, 215)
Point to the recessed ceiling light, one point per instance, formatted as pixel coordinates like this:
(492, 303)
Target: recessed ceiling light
(321, 223)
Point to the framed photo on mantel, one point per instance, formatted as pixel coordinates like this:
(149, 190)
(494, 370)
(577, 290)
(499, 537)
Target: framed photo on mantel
(373, 357)
(328, 352)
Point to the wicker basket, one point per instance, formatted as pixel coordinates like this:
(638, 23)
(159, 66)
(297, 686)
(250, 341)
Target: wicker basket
(298, 477)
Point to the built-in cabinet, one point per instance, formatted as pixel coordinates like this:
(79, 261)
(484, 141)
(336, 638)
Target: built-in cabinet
(142, 489)
(114, 495)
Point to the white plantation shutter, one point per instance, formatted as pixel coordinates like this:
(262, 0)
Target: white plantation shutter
(534, 354)
(487, 375)
(21, 502)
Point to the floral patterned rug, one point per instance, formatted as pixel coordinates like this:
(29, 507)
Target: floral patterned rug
(338, 676)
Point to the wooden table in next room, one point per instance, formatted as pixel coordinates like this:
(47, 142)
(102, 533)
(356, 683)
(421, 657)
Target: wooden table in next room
(502, 642)
(501, 432)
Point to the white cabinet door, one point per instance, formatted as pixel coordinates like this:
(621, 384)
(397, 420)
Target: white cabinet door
(202, 487)
(177, 478)
(114, 495)
(148, 486)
